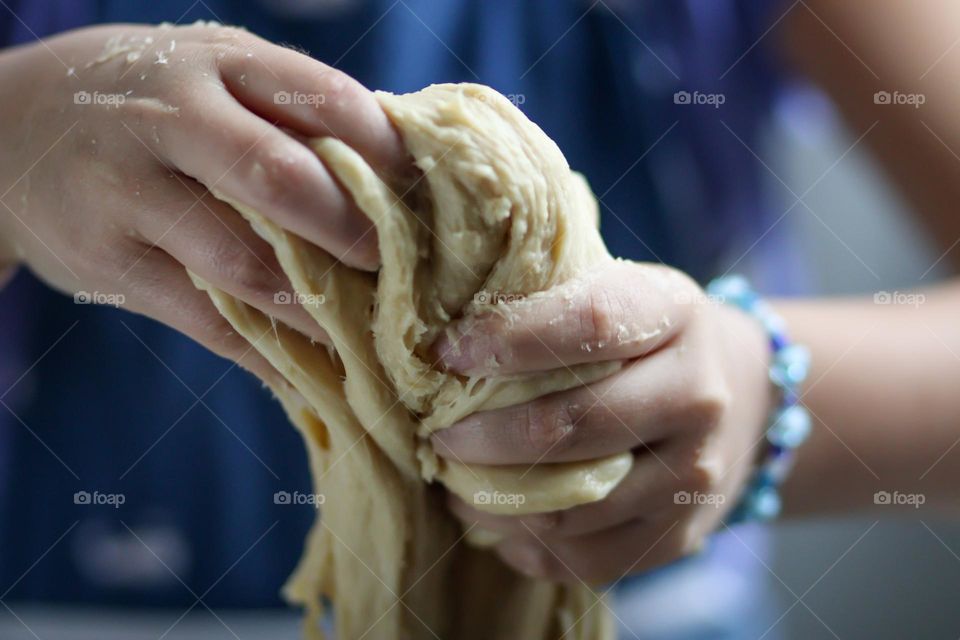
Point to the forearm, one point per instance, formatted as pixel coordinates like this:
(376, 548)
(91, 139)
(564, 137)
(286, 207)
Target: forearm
(885, 400)
(905, 51)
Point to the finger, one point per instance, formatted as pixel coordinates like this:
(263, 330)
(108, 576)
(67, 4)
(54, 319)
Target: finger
(657, 482)
(668, 393)
(161, 289)
(233, 152)
(623, 311)
(313, 99)
(598, 558)
(211, 239)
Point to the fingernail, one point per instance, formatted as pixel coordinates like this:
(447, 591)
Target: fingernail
(454, 351)
(439, 444)
(446, 441)
(365, 255)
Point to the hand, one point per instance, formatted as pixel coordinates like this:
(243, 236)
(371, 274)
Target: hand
(691, 403)
(113, 135)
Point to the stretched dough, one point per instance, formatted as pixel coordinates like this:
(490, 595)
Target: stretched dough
(498, 211)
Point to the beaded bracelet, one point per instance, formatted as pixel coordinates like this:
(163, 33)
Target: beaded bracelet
(789, 422)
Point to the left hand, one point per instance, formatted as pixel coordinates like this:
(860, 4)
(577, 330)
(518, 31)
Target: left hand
(691, 403)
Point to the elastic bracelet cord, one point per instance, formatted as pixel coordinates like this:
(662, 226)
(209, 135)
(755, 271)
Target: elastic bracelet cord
(789, 423)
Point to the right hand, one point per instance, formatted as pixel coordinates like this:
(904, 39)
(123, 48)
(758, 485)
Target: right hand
(106, 161)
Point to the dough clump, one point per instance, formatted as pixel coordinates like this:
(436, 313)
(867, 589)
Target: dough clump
(496, 218)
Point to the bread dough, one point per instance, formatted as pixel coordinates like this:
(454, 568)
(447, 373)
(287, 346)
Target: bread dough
(497, 211)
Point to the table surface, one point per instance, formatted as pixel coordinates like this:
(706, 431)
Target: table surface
(28, 622)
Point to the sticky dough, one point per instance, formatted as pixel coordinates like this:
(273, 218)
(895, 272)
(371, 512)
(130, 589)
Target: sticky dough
(497, 213)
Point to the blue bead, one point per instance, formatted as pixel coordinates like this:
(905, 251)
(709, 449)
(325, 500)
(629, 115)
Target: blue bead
(790, 366)
(791, 427)
(737, 516)
(765, 504)
(733, 284)
(777, 342)
(733, 290)
(775, 325)
(763, 311)
(776, 467)
(796, 360)
(789, 398)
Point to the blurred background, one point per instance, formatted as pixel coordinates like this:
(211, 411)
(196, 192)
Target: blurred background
(859, 577)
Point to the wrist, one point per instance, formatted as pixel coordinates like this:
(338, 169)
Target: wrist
(788, 423)
(746, 352)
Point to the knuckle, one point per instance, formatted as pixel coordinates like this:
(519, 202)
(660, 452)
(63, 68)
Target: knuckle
(148, 114)
(708, 396)
(547, 426)
(687, 287)
(104, 251)
(228, 36)
(696, 474)
(709, 406)
(699, 478)
(278, 172)
(602, 317)
(336, 86)
(194, 109)
(597, 318)
(104, 260)
(240, 266)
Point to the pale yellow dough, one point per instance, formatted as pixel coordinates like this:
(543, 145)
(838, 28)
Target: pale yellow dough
(499, 211)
